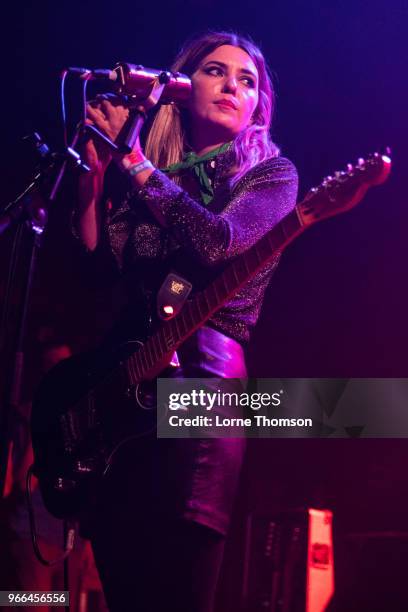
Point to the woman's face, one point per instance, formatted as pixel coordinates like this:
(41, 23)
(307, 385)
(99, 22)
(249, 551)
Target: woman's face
(224, 93)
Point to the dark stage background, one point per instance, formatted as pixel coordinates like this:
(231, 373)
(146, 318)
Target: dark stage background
(339, 301)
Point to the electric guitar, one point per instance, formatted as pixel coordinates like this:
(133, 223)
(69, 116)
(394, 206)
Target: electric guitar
(78, 421)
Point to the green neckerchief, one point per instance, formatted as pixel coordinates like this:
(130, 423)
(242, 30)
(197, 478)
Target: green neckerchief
(197, 163)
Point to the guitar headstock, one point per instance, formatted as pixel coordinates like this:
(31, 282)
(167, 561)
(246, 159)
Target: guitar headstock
(344, 190)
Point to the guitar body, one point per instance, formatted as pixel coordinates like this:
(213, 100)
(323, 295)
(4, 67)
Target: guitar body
(83, 410)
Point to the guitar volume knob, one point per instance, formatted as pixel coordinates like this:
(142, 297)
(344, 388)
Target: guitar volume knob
(64, 485)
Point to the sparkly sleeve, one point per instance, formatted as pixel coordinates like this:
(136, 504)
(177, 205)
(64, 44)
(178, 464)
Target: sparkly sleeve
(259, 201)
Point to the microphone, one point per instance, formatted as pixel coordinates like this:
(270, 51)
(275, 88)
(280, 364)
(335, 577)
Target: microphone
(137, 81)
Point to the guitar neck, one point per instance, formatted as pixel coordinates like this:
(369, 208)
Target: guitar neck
(157, 351)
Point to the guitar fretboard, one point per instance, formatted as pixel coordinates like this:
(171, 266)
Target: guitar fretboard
(157, 351)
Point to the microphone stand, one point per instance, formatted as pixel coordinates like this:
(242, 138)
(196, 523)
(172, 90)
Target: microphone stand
(28, 210)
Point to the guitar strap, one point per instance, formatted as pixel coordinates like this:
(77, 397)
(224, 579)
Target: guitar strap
(172, 295)
(171, 298)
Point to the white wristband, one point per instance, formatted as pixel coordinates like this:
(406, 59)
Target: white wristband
(140, 167)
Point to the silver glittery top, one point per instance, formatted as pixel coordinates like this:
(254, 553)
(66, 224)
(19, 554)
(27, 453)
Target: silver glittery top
(164, 228)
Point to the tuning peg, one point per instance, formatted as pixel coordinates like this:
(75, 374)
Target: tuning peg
(350, 167)
(360, 162)
(339, 174)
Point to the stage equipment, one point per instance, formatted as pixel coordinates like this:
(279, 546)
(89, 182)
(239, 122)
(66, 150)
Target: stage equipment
(288, 563)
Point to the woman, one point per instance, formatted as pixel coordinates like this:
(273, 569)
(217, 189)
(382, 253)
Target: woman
(160, 530)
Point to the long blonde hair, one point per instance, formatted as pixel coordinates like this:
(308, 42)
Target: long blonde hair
(167, 138)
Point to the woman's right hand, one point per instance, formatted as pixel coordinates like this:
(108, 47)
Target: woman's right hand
(109, 115)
